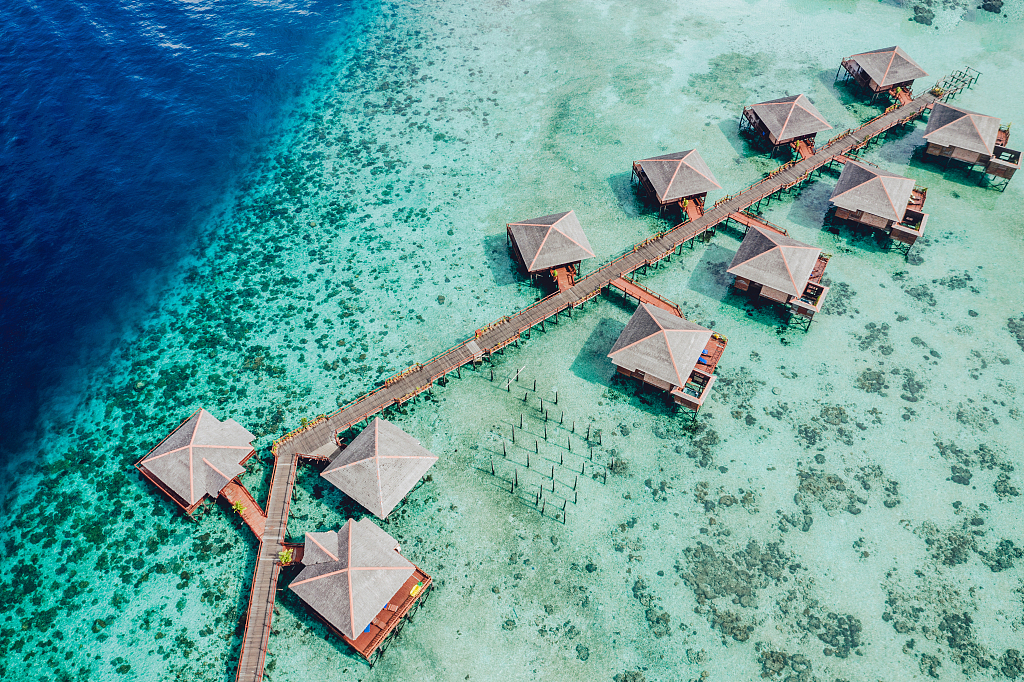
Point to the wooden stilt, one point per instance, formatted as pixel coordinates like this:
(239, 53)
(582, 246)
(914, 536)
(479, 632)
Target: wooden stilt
(492, 467)
(527, 460)
(504, 453)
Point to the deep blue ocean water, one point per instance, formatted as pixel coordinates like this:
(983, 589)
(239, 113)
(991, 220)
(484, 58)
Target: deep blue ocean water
(123, 123)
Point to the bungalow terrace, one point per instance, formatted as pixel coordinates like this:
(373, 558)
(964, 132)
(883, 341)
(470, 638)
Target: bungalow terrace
(681, 180)
(883, 201)
(777, 267)
(198, 458)
(972, 138)
(552, 244)
(357, 583)
(669, 352)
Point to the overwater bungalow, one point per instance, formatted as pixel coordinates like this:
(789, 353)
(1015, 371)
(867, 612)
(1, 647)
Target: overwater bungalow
(358, 584)
(680, 180)
(198, 458)
(670, 353)
(379, 467)
(883, 201)
(972, 138)
(790, 121)
(889, 70)
(552, 244)
(779, 268)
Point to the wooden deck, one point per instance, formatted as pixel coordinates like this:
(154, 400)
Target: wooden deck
(252, 514)
(389, 618)
(644, 295)
(317, 439)
(748, 221)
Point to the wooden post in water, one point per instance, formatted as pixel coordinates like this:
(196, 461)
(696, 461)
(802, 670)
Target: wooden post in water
(515, 481)
(504, 453)
(492, 467)
(513, 434)
(561, 420)
(527, 460)
(552, 476)
(556, 396)
(545, 432)
(575, 481)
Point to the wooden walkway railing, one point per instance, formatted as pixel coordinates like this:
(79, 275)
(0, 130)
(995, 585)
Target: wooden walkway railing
(316, 439)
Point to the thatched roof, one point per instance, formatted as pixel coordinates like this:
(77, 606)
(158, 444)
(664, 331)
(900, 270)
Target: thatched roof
(774, 260)
(889, 66)
(683, 174)
(790, 117)
(199, 457)
(379, 467)
(550, 241)
(658, 343)
(950, 126)
(870, 189)
(350, 575)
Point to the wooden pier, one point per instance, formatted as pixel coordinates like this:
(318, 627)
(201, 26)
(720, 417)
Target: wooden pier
(316, 440)
(644, 295)
(253, 516)
(263, 593)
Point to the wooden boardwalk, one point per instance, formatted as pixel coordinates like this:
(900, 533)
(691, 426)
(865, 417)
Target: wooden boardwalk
(252, 514)
(644, 295)
(317, 439)
(263, 593)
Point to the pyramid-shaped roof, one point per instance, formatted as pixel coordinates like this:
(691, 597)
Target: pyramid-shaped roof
(350, 575)
(791, 117)
(950, 126)
(683, 174)
(660, 344)
(774, 260)
(551, 241)
(889, 66)
(199, 457)
(867, 188)
(379, 467)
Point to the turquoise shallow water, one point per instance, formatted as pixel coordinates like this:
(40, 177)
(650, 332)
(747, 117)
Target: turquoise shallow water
(846, 508)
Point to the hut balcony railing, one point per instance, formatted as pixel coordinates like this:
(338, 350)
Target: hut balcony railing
(1008, 155)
